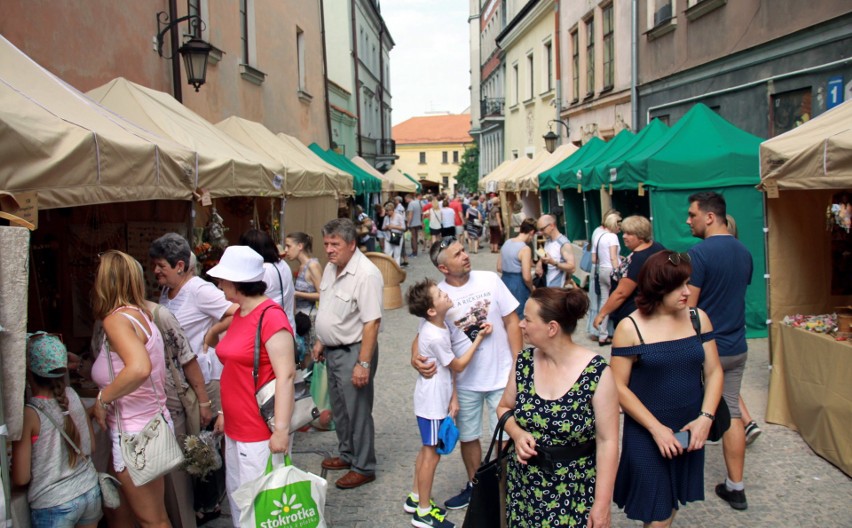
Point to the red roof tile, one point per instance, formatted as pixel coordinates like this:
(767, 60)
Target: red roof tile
(433, 129)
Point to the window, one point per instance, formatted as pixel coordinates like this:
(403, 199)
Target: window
(444, 157)
(456, 157)
(548, 66)
(423, 158)
(608, 48)
(517, 83)
(300, 57)
(575, 65)
(532, 75)
(590, 56)
(193, 7)
(789, 110)
(244, 30)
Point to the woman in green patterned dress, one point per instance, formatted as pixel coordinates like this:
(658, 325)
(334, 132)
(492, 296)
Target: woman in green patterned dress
(565, 420)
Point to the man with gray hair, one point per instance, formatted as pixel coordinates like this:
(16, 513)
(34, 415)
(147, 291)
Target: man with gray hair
(347, 326)
(558, 256)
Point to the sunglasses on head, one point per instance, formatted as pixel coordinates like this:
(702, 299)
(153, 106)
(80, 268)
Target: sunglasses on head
(446, 242)
(677, 258)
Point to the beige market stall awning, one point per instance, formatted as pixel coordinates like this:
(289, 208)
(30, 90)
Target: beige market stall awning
(528, 181)
(307, 175)
(400, 182)
(59, 143)
(387, 185)
(224, 166)
(816, 155)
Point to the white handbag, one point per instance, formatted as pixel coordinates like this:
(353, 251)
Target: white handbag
(152, 452)
(304, 409)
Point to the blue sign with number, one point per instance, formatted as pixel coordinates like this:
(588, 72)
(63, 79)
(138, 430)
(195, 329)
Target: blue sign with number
(835, 92)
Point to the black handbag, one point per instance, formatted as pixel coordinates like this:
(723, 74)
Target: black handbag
(485, 499)
(540, 281)
(722, 416)
(395, 238)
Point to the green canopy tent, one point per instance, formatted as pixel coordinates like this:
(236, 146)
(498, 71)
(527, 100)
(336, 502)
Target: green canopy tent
(626, 200)
(363, 183)
(417, 183)
(559, 184)
(700, 152)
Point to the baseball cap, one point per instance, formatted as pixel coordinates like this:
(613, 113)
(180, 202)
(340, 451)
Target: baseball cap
(239, 264)
(448, 435)
(46, 355)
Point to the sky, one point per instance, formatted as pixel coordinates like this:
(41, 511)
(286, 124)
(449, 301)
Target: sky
(430, 63)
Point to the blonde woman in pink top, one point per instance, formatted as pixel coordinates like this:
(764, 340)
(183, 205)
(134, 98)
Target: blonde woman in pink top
(135, 347)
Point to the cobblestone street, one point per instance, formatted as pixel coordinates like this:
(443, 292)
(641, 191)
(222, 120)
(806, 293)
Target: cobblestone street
(786, 483)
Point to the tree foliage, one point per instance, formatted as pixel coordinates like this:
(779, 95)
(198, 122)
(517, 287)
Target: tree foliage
(467, 178)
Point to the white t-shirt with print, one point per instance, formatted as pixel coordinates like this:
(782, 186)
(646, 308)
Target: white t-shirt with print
(483, 298)
(198, 306)
(432, 395)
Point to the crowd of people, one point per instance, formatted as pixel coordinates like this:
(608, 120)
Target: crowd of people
(488, 344)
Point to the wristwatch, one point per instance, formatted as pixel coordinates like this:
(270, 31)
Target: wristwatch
(365, 364)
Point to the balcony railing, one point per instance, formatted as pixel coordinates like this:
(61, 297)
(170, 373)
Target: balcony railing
(491, 106)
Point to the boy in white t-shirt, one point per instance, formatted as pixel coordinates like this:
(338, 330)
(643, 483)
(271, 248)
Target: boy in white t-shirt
(434, 398)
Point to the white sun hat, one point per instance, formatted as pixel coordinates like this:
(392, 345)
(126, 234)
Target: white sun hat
(239, 264)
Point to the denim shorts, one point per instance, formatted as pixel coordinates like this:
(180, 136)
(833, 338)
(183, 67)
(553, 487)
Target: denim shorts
(469, 420)
(83, 509)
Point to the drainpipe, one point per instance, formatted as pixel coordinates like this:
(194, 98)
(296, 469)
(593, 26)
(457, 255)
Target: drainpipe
(558, 71)
(355, 64)
(634, 63)
(325, 73)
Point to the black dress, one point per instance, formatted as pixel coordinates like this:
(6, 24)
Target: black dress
(667, 380)
(534, 498)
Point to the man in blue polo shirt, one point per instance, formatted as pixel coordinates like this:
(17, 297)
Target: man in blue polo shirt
(721, 272)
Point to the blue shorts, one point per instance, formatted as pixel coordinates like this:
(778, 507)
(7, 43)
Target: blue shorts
(83, 509)
(429, 430)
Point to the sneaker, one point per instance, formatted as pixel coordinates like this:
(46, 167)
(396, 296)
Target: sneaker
(410, 505)
(461, 500)
(432, 519)
(736, 498)
(752, 431)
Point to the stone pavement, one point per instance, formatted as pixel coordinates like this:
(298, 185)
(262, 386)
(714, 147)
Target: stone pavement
(787, 485)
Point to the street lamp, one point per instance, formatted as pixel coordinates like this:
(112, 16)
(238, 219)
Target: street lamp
(552, 137)
(195, 52)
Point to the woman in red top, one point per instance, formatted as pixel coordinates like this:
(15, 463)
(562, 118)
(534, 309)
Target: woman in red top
(248, 442)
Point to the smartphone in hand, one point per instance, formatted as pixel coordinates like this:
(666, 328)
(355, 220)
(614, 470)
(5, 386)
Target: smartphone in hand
(683, 438)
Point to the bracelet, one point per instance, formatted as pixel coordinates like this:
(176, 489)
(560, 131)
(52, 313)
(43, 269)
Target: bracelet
(708, 415)
(205, 404)
(101, 401)
(220, 413)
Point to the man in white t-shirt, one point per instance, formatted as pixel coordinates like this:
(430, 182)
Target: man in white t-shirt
(558, 255)
(478, 297)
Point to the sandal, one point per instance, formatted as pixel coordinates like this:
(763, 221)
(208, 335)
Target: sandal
(606, 342)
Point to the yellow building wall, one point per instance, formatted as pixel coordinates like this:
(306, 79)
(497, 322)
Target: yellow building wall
(530, 100)
(434, 170)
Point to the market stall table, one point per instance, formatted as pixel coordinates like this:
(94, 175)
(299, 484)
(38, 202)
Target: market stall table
(811, 392)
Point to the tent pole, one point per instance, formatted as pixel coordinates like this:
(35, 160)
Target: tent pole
(4, 460)
(768, 278)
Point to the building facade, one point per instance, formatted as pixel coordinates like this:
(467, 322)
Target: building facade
(492, 101)
(431, 148)
(475, 73)
(370, 49)
(764, 66)
(595, 94)
(529, 46)
(267, 65)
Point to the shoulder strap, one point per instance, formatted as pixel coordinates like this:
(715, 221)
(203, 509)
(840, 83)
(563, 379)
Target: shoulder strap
(641, 340)
(281, 282)
(135, 322)
(256, 369)
(64, 435)
(696, 321)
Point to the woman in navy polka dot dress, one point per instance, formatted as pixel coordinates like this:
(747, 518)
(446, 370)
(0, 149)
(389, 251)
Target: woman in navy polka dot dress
(565, 420)
(658, 359)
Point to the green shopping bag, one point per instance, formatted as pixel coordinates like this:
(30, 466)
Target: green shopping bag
(319, 392)
(283, 497)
